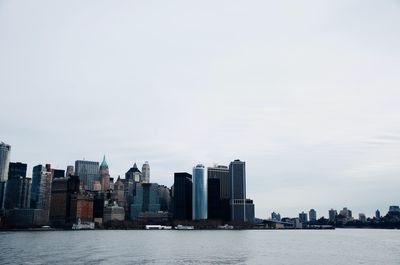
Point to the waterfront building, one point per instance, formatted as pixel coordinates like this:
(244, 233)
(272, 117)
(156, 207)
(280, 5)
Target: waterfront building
(182, 196)
(104, 175)
(303, 217)
(214, 199)
(275, 216)
(164, 193)
(346, 213)
(239, 203)
(313, 215)
(377, 214)
(221, 173)
(99, 202)
(25, 218)
(18, 192)
(362, 218)
(394, 209)
(118, 193)
(82, 207)
(199, 200)
(88, 172)
(332, 215)
(145, 172)
(145, 200)
(61, 194)
(113, 212)
(133, 174)
(41, 189)
(5, 150)
(17, 169)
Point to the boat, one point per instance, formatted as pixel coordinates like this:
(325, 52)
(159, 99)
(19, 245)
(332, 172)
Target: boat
(83, 225)
(158, 227)
(184, 227)
(226, 227)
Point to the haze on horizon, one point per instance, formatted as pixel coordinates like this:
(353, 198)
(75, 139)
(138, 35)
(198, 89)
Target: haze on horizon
(306, 92)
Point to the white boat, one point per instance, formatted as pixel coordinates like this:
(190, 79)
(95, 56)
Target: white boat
(158, 227)
(226, 227)
(83, 225)
(184, 227)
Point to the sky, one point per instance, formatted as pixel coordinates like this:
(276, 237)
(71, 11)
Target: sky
(307, 93)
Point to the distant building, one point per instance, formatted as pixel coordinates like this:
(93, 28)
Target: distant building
(332, 215)
(118, 194)
(88, 172)
(5, 150)
(394, 209)
(62, 190)
(24, 218)
(17, 169)
(214, 199)
(145, 173)
(303, 217)
(100, 200)
(313, 215)
(145, 200)
(113, 212)
(96, 185)
(346, 213)
(82, 207)
(70, 171)
(133, 174)
(18, 192)
(41, 189)
(104, 175)
(275, 216)
(362, 218)
(58, 173)
(377, 214)
(221, 173)
(199, 194)
(242, 209)
(164, 193)
(182, 196)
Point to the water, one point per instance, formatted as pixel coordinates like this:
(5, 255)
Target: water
(340, 246)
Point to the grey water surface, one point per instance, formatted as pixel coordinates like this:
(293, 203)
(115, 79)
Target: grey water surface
(340, 246)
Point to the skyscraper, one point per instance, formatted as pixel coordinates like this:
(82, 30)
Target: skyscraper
(17, 169)
(5, 150)
(104, 175)
(145, 200)
(182, 196)
(237, 172)
(41, 190)
(18, 192)
(146, 172)
(200, 203)
(221, 173)
(214, 199)
(70, 171)
(134, 174)
(88, 172)
(303, 217)
(332, 215)
(313, 215)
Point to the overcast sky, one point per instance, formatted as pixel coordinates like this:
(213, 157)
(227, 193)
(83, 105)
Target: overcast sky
(306, 92)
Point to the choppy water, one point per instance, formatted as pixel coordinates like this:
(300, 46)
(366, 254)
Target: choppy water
(201, 247)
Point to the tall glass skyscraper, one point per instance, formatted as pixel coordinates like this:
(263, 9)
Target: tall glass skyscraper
(88, 172)
(200, 201)
(5, 150)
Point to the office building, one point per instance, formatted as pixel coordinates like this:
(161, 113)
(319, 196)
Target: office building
(313, 215)
(18, 192)
(221, 173)
(104, 175)
(275, 216)
(214, 199)
(200, 205)
(377, 214)
(17, 169)
(113, 212)
(164, 193)
(70, 171)
(41, 189)
(134, 174)
(362, 218)
(5, 150)
(58, 173)
(118, 194)
(88, 172)
(82, 207)
(182, 196)
(145, 200)
(303, 217)
(332, 215)
(145, 178)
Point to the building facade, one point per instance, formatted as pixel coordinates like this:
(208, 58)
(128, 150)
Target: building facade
(18, 193)
(182, 196)
(221, 173)
(88, 172)
(5, 150)
(145, 200)
(41, 189)
(200, 199)
(145, 172)
(104, 175)
(313, 215)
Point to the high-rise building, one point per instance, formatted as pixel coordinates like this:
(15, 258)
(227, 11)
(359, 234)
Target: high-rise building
(82, 207)
(61, 193)
(275, 216)
(18, 192)
(200, 204)
(70, 171)
(58, 173)
(104, 175)
(313, 215)
(119, 192)
(17, 169)
(214, 199)
(377, 214)
(362, 218)
(182, 196)
(332, 215)
(242, 209)
(5, 150)
(221, 173)
(88, 172)
(146, 172)
(41, 189)
(303, 217)
(134, 174)
(164, 193)
(146, 200)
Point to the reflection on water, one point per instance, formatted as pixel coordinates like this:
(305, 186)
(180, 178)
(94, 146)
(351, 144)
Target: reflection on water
(201, 247)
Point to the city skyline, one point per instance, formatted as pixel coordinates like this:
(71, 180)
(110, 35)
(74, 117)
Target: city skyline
(306, 93)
